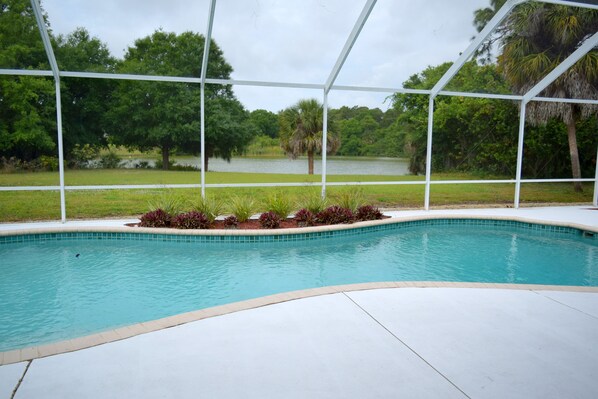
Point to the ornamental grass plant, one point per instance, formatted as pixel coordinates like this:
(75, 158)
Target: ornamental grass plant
(242, 208)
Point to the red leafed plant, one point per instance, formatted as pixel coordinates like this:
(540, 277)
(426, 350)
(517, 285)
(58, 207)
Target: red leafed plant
(335, 215)
(191, 220)
(157, 218)
(305, 217)
(269, 220)
(231, 222)
(368, 212)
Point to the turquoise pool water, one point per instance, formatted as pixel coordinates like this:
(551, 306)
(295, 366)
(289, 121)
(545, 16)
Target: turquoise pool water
(56, 287)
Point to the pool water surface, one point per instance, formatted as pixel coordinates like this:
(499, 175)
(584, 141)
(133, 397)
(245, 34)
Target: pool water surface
(51, 290)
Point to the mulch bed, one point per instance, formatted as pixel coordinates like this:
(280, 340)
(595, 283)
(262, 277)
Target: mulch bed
(252, 224)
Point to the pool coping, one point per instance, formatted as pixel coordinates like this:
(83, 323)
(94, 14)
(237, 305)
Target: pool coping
(292, 231)
(36, 352)
(117, 334)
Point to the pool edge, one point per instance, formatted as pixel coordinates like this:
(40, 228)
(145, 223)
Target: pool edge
(75, 344)
(292, 231)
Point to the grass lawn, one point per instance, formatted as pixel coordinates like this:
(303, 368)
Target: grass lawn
(45, 205)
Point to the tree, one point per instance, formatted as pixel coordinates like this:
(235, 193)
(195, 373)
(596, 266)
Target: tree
(27, 105)
(470, 134)
(85, 102)
(146, 115)
(301, 131)
(481, 17)
(367, 132)
(265, 122)
(536, 38)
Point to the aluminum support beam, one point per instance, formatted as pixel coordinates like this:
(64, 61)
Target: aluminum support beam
(56, 73)
(204, 71)
(565, 100)
(208, 41)
(259, 83)
(575, 56)
(511, 97)
(475, 44)
(429, 153)
(290, 184)
(380, 89)
(596, 182)
(365, 13)
(519, 154)
(324, 143)
(202, 141)
(588, 4)
(256, 83)
(25, 72)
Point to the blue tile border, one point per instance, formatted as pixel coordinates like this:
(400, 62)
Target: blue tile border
(543, 229)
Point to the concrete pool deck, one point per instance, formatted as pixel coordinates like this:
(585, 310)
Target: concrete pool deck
(435, 342)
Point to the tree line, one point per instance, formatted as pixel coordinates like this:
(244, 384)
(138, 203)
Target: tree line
(96, 112)
(470, 134)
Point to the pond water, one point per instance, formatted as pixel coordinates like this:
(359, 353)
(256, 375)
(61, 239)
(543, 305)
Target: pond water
(335, 165)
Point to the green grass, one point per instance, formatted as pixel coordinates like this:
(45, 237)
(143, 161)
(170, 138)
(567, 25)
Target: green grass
(45, 205)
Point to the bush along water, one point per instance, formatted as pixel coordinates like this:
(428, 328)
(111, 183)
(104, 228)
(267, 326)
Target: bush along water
(242, 208)
(279, 204)
(157, 218)
(304, 218)
(269, 220)
(191, 220)
(335, 215)
(231, 222)
(210, 207)
(168, 212)
(368, 212)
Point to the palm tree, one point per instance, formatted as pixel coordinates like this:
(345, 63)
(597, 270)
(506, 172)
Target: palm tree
(301, 131)
(537, 37)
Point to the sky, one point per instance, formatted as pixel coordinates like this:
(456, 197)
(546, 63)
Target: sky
(295, 41)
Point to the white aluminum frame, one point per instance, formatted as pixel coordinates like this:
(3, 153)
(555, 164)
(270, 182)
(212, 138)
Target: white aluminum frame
(326, 87)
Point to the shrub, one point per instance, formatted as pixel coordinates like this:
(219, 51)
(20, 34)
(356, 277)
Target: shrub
(82, 156)
(48, 163)
(315, 203)
(184, 168)
(169, 202)
(269, 220)
(109, 161)
(350, 199)
(208, 206)
(305, 217)
(242, 208)
(231, 222)
(191, 220)
(156, 218)
(159, 164)
(335, 215)
(368, 212)
(279, 204)
(14, 164)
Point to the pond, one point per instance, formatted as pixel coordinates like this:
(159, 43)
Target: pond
(335, 165)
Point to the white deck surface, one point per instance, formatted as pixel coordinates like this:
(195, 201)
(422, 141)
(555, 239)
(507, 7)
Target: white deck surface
(386, 343)
(585, 214)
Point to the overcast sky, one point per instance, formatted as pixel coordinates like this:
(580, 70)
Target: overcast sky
(291, 40)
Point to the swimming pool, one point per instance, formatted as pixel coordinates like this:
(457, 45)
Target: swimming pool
(57, 286)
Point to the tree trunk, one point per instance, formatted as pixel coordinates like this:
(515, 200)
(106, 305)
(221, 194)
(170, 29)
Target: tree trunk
(165, 157)
(575, 168)
(205, 163)
(310, 162)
